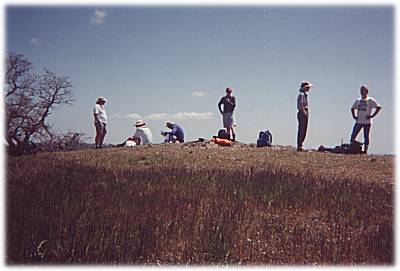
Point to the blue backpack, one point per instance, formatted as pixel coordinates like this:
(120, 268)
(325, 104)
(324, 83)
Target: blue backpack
(264, 139)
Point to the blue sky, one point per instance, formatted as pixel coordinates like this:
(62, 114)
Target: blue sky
(163, 63)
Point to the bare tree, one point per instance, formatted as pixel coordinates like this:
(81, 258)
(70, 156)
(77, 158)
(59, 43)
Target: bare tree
(30, 99)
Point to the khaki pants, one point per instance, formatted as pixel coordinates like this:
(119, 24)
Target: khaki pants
(101, 132)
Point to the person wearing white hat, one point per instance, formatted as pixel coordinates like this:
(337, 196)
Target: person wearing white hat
(100, 121)
(302, 114)
(142, 136)
(364, 106)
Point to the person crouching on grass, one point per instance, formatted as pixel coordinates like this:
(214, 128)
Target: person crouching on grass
(176, 135)
(364, 106)
(100, 122)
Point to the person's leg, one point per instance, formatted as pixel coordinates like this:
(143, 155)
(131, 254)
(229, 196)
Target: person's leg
(233, 133)
(96, 139)
(299, 131)
(166, 138)
(226, 124)
(98, 134)
(367, 128)
(103, 134)
(356, 129)
(122, 144)
(232, 125)
(302, 130)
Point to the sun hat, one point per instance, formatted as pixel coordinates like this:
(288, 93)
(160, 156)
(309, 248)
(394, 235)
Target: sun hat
(140, 123)
(305, 84)
(101, 98)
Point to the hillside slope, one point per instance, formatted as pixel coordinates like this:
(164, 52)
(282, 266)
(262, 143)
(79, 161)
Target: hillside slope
(199, 203)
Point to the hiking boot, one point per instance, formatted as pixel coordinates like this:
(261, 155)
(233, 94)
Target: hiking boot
(300, 149)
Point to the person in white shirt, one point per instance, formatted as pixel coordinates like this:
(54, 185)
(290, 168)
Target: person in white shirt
(364, 106)
(100, 122)
(142, 136)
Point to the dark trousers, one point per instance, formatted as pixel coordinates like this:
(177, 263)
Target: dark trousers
(357, 128)
(302, 131)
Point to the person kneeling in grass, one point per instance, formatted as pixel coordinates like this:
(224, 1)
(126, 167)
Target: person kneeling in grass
(176, 135)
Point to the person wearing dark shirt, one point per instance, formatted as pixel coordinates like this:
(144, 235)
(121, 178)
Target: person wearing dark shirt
(228, 116)
(302, 114)
(176, 134)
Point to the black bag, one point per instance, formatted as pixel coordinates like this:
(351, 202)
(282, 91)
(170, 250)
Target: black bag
(352, 148)
(223, 134)
(264, 139)
(356, 147)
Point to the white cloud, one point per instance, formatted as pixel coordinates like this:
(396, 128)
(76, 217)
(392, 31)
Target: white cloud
(192, 115)
(198, 94)
(133, 116)
(98, 17)
(34, 42)
(165, 116)
(157, 116)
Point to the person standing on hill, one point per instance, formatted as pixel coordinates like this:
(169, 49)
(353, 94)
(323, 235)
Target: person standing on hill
(302, 114)
(364, 106)
(228, 115)
(100, 122)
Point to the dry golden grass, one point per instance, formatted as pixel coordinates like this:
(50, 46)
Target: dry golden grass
(198, 203)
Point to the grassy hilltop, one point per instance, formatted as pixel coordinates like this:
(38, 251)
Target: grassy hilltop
(199, 203)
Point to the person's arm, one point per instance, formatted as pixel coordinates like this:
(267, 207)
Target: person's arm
(303, 109)
(301, 104)
(377, 109)
(95, 112)
(219, 105)
(165, 133)
(137, 137)
(96, 119)
(353, 110)
(353, 113)
(232, 101)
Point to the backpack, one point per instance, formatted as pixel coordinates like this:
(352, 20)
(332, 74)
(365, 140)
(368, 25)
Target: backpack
(264, 139)
(223, 134)
(356, 147)
(352, 148)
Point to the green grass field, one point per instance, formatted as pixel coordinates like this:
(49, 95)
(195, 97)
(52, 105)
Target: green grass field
(198, 203)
